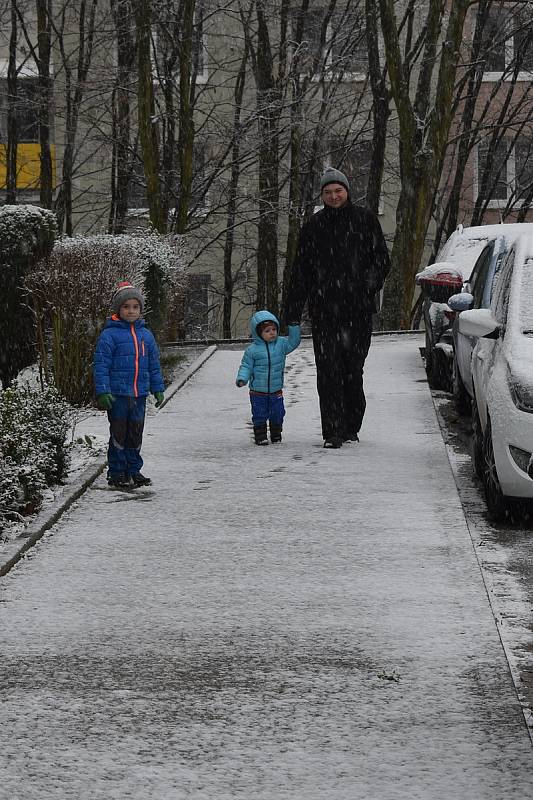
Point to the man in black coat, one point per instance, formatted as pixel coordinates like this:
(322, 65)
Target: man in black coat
(341, 264)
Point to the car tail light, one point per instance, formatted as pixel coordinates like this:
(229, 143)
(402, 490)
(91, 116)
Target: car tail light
(449, 314)
(439, 284)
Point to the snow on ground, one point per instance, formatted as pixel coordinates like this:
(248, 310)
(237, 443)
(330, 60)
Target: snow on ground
(271, 623)
(87, 441)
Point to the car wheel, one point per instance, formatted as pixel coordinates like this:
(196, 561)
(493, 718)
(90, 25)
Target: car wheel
(477, 441)
(497, 503)
(460, 395)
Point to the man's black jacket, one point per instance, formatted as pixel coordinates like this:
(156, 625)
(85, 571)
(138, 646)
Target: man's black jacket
(342, 261)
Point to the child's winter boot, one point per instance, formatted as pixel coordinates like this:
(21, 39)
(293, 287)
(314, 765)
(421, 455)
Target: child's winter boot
(138, 479)
(260, 434)
(119, 480)
(275, 432)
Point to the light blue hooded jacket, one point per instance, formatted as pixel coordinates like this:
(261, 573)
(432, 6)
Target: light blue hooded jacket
(263, 362)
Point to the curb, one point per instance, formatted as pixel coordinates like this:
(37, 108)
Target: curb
(16, 548)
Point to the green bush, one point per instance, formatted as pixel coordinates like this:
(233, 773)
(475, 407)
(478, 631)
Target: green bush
(33, 453)
(71, 292)
(27, 234)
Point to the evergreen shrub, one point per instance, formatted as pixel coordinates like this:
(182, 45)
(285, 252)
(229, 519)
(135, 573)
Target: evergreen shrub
(27, 234)
(71, 292)
(33, 451)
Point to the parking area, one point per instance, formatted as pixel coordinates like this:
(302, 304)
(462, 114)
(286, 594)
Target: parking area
(504, 551)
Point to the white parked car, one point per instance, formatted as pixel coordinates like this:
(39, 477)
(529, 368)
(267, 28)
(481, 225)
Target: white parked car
(438, 282)
(502, 372)
(477, 293)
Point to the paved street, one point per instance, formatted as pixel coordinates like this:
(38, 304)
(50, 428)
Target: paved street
(281, 623)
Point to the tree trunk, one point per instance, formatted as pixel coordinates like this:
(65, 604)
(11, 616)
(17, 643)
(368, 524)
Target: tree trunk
(86, 30)
(380, 110)
(122, 115)
(423, 139)
(186, 124)
(232, 199)
(12, 132)
(44, 15)
(146, 119)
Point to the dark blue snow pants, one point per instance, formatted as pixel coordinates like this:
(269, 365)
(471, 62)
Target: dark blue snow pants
(267, 407)
(126, 424)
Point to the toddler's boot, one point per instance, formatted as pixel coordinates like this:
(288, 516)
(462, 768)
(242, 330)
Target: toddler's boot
(260, 434)
(275, 432)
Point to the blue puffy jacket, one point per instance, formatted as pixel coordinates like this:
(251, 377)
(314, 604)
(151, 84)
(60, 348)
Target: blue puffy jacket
(263, 362)
(126, 360)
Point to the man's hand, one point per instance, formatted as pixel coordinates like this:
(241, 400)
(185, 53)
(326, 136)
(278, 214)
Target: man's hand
(159, 397)
(105, 401)
(240, 384)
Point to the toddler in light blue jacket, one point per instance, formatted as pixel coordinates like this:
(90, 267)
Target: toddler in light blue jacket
(262, 367)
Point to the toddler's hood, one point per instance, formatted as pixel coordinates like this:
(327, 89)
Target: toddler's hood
(261, 316)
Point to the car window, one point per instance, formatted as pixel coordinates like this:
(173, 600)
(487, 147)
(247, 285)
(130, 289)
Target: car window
(498, 260)
(501, 293)
(526, 297)
(479, 275)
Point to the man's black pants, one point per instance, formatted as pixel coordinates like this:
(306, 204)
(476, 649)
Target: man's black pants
(340, 353)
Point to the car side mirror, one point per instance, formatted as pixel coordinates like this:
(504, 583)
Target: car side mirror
(479, 322)
(461, 302)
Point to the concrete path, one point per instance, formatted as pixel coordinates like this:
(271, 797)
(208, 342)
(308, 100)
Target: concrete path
(268, 623)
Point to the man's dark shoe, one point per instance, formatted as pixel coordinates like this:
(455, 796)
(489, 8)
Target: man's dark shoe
(138, 479)
(120, 481)
(350, 437)
(334, 442)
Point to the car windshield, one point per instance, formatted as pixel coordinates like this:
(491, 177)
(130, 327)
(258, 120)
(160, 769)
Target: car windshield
(526, 298)
(466, 253)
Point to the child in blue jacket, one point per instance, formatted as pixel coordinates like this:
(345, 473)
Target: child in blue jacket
(262, 367)
(126, 369)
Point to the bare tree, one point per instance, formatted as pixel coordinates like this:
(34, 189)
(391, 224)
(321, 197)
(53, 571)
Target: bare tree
(424, 117)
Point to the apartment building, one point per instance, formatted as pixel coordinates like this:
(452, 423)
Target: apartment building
(316, 100)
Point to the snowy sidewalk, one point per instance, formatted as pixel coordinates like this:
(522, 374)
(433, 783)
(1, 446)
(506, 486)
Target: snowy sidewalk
(269, 623)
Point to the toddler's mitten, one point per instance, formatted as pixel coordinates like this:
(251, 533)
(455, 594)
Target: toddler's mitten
(241, 383)
(105, 401)
(159, 397)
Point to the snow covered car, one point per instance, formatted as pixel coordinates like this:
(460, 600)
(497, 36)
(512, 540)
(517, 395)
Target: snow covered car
(502, 373)
(477, 293)
(438, 282)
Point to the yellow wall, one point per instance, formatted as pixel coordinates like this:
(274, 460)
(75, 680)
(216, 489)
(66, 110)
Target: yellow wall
(28, 165)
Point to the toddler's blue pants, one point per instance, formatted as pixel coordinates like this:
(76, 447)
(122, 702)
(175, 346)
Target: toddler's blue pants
(267, 407)
(126, 424)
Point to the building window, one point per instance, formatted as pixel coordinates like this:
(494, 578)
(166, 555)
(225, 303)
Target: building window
(492, 166)
(26, 108)
(338, 50)
(353, 159)
(505, 173)
(28, 169)
(524, 166)
(508, 40)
